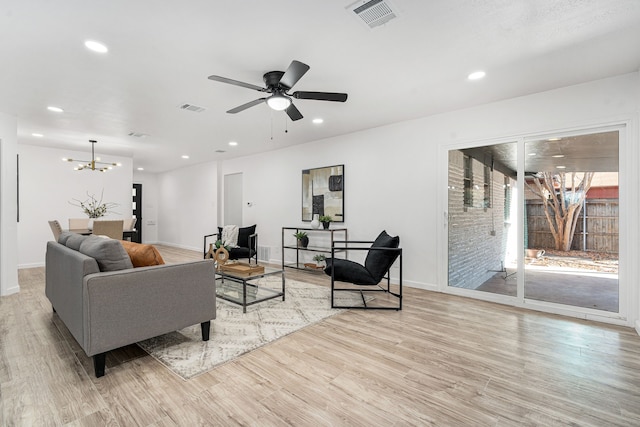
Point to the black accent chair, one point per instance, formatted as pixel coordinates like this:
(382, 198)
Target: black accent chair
(381, 255)
(247, 243)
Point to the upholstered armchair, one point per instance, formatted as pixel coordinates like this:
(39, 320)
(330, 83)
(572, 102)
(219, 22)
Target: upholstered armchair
(247, 243)
(381, 254)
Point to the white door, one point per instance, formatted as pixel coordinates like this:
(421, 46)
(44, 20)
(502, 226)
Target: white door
(233, 199)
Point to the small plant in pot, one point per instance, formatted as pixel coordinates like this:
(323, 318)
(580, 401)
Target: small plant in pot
(301, 237)
(325, 220)
(319, 259)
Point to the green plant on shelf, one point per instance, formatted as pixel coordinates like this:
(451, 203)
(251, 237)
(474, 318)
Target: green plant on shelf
(326, 218)
(300, 235)
(319, 258)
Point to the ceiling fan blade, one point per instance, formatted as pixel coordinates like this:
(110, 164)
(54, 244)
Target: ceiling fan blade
(293, 113)
(245, 106)
(236, 83)
(294, 73)
(321, 96)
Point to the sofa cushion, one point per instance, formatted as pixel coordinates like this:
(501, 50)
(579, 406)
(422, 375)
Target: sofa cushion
(142, 255)
(378, 262)
(109, 253)
(74, 241)
(62, 239)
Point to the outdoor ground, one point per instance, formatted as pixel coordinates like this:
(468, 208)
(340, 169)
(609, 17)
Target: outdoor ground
(596, 261)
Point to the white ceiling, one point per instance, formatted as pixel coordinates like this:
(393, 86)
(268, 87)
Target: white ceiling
(161, 52)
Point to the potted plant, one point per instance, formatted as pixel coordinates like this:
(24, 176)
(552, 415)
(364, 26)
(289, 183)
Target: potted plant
(325, 220)
(319, 258)
(303, 240)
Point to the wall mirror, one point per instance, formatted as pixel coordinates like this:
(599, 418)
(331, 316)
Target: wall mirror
(323, 192)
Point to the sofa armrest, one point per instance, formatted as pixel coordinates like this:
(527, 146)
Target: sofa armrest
(127, 306)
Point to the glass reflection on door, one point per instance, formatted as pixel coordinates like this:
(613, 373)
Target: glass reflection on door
(482, 203)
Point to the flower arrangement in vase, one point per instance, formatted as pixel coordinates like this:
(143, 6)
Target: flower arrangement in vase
(93, 207)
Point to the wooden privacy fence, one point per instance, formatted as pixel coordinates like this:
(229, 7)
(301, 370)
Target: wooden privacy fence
(598, 231)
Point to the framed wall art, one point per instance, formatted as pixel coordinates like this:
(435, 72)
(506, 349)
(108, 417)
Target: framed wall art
(323, 192)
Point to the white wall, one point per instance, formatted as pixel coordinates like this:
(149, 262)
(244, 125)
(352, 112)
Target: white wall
(47, 184)
(8, 205)
(392, 173)
(187, 205)
(150, 195)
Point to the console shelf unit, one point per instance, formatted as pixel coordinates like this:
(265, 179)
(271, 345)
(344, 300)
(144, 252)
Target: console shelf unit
(334, 234)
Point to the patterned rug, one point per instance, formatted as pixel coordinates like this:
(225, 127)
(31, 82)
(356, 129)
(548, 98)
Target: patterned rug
(234, 333)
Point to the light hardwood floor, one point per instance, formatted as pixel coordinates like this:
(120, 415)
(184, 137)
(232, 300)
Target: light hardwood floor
(443, 360)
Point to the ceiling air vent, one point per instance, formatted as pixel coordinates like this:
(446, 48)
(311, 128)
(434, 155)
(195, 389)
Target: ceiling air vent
(191, 107)
(373, 12)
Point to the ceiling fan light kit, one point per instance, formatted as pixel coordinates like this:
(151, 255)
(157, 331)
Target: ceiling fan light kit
(94, 163)
(278, 84)
(279, 102)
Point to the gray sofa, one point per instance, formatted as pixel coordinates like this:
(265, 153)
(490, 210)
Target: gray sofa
(106, 303)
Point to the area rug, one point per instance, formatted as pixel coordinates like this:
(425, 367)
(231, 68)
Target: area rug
(234, 333)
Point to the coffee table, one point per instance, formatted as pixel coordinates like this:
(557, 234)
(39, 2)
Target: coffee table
(241, 288)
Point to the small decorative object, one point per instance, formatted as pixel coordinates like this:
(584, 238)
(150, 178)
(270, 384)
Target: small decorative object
(221, 256)
(210, 253)
(325, 220)
(303, 240)
(315, 223)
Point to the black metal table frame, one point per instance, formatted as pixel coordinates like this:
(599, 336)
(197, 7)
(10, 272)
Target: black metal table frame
(244, 280)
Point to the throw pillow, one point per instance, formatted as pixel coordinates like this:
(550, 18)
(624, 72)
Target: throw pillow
(378, 262)
(142, 255)
(109, 253)
(64, 236)
(74, 241)
(243, 236)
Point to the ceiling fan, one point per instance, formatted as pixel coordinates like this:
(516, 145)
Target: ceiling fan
(278, 84)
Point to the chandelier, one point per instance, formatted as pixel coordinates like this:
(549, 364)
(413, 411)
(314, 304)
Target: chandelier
(94, 164)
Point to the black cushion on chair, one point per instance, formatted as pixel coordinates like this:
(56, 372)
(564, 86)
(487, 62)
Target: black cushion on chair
(349, 271)
(378, 262)
(243, 235)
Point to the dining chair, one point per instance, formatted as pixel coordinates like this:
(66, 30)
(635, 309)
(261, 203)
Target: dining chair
(56, 229)
(78, 223)
(110, 228)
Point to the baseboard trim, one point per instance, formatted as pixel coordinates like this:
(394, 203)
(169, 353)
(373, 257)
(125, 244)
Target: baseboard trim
(175, 245)
(10, 291)
(638, 327)
(31, 265)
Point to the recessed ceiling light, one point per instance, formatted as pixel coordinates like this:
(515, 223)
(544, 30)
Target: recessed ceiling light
(318, 121)
(37, 135)
(233, 143)
(561, 167)
(55, 109)
(96, 46)
(140, 169)
(553, 139)
(531, 154)
(558, 156)
(185, 156)
(476, 75)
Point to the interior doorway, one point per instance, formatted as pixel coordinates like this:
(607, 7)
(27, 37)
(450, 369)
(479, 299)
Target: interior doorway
(233, 199)
(536, 220)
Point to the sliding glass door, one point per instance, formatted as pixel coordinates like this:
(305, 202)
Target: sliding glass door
(536, 220)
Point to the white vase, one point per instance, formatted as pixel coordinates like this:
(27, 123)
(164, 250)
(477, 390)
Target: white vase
(315, 223)
(90, 224)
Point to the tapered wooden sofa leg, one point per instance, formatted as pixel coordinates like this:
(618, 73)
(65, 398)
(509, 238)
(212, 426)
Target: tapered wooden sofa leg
(98, 364)
(205, 326)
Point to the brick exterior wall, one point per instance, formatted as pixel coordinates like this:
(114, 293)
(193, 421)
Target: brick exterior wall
(474, 253)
